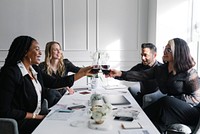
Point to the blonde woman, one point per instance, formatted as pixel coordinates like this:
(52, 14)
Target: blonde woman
(55, 65)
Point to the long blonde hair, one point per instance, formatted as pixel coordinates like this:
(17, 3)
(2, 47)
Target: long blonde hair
(48, 57)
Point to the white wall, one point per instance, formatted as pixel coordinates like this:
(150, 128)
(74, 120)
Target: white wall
(81, 26)
(152, 14)
(84, 26)
(173, 19)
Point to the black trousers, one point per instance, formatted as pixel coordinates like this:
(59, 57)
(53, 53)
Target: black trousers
(169, 110)
(53, 96)
(27, 126)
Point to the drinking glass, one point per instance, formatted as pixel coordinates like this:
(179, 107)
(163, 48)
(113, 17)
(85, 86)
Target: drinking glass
(105, 69)
(95, 69)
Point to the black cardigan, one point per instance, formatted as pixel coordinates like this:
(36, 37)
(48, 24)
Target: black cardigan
(69, 67)
(18, 95)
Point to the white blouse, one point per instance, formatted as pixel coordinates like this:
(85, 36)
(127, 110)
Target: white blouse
(36, 84)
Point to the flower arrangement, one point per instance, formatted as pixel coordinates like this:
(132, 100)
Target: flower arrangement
(95, 97)
(99, 109)
(99, 113)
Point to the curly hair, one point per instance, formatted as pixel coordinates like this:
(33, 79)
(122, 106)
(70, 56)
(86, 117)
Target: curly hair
(48, 57)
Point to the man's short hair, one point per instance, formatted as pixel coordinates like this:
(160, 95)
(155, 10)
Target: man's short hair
(150, 46)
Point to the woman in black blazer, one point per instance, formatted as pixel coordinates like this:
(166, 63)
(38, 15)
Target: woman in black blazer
(23, 84)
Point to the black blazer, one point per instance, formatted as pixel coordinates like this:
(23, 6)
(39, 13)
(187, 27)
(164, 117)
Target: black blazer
(18, 95)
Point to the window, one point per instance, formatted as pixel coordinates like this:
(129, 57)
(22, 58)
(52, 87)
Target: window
(195, 33)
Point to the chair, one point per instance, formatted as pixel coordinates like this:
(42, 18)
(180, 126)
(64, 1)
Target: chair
(179, 128)
(44, 108)
(197, 128)
(8, 126)
(148, 98)
(183, 129)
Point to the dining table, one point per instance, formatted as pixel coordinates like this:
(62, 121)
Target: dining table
(72, 114)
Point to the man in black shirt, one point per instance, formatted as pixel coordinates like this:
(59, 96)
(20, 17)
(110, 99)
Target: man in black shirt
(148, 56)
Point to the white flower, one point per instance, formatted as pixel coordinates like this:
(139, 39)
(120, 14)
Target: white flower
(106, 108)
(97, 115)
(100, 112)
(99, 109)
(95, 97)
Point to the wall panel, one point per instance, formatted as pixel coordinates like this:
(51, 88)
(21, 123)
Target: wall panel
(81, 26)
(75, 25)
(117, 27)
(22, 17)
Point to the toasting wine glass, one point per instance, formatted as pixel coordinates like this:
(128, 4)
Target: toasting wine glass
(95, 69)
(105, 69)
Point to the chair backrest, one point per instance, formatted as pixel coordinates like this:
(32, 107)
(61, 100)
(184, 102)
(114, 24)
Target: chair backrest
(197, 128)
(8, 126)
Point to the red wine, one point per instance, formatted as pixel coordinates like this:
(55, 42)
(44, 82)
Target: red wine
(95, 70)
(105, 67)
(106, 72)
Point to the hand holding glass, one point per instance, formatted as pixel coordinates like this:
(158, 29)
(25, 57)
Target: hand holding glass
(104, 68)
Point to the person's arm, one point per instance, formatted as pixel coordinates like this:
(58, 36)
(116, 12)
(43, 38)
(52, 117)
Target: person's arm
(133, 75)
(115, 73)
(192, 89)
(137, 67)
(86, 71)
(34, 116)
(70, 67)
(51, 82)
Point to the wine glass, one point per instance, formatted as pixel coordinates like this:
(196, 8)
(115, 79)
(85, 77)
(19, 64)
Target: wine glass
(95, 69)
(105, 69)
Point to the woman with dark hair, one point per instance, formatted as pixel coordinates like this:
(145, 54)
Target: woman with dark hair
(23, 84)
(176, 78)
(54, 65)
